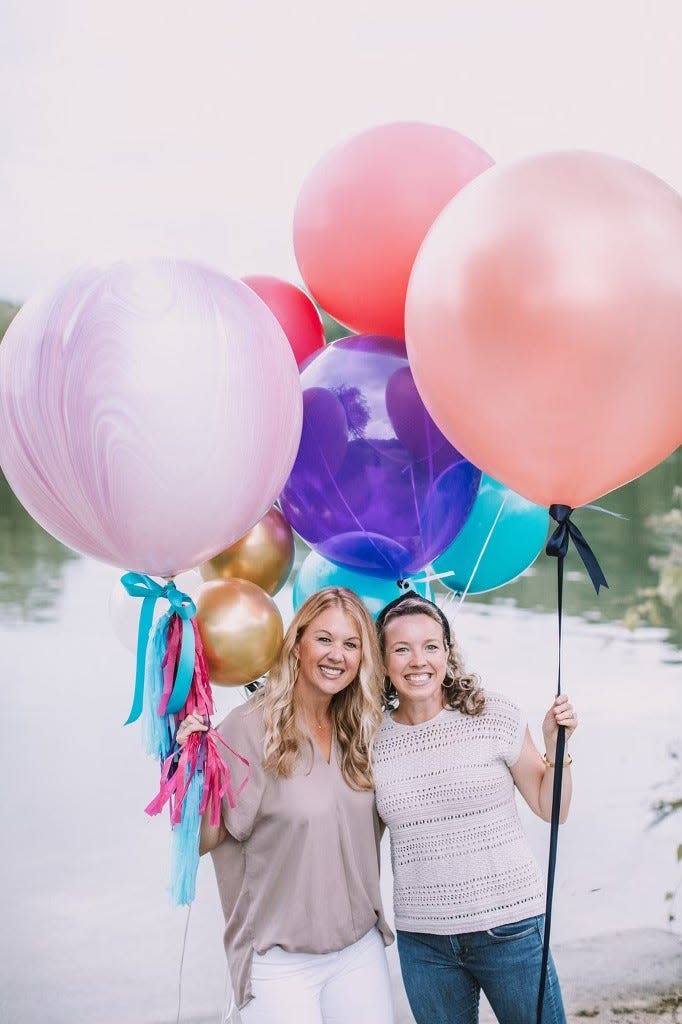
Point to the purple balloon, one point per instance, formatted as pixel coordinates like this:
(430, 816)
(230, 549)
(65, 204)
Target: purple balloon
(375, 487)
(149, 412)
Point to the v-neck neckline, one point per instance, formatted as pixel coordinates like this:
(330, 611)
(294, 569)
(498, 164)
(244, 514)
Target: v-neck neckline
(317, 749)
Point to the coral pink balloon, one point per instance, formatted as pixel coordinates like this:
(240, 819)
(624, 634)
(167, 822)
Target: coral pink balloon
(295, 312)
(364, 210)
(544, 324)
(149, 413)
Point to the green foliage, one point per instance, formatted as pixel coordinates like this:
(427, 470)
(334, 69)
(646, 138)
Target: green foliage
(32, 564)
(31, 561)
(661, 604)
(333, 330)
(7, 314)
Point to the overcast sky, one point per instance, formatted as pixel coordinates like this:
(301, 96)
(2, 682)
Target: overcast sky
(153, 126)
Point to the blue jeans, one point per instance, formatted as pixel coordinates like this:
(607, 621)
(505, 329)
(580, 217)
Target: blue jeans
(444, 975)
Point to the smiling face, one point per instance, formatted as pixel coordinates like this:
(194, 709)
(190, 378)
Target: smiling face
(329, 652)
(415, 660)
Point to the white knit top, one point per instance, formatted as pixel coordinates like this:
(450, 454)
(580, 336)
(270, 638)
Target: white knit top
(461, 861)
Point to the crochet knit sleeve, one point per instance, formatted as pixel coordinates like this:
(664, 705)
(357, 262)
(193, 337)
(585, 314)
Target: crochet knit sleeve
(510, 726)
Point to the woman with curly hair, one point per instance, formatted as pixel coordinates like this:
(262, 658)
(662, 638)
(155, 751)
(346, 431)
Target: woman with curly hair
(468, 893)
(297, 859)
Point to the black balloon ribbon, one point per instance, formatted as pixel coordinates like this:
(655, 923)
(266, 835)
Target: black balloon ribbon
(567, 531)
(557, 546)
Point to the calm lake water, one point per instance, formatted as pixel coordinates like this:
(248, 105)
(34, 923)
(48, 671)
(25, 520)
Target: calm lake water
(89, 932)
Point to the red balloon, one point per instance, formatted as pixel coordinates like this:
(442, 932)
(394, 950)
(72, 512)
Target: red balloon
(365, 209)
(297, 315)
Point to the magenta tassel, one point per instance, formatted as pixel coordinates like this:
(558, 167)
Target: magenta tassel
(195, 772)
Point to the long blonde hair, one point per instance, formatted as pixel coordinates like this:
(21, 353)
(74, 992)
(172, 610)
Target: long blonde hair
(356, 710)
(461, 689)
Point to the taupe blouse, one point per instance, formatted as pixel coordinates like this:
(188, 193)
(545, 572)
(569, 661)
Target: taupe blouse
(300, 866)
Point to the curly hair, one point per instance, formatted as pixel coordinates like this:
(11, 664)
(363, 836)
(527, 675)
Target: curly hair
(356, 710)
(461, 689)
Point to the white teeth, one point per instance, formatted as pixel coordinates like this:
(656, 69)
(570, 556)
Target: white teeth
(422, 678)
(333, 673)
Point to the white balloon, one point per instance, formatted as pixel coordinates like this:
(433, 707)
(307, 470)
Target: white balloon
(284, 601)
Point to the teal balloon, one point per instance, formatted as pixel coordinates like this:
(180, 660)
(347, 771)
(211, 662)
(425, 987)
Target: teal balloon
(316, 572)
(517, 539)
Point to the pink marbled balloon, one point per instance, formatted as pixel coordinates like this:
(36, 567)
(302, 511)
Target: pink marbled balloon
(150, 413)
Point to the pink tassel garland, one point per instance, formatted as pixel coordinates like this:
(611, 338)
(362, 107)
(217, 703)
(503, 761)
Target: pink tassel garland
(177, 774)
(201, 752)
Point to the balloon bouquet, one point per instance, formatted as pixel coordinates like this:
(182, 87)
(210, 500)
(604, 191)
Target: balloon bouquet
(377, 490)
(541, 304)
(517, 355)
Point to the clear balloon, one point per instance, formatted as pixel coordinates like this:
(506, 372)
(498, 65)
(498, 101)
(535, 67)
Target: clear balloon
(295, 312)
(264, 555)
(375, 487)
(316, 573)
(502, 537)
(133, 425)
(364, 210)
(241, 630)
(543, 324)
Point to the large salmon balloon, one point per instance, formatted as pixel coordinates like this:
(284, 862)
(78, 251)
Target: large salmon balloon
(544, 324)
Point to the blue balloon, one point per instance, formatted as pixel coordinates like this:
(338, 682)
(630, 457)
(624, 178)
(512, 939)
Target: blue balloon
(316, 572)
(516, 540)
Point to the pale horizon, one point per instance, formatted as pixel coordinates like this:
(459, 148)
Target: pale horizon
(145, 131)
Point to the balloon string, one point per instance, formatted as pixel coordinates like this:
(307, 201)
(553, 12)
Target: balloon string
(406, 583)
(344, 502)
(182, 961)
(416, 509)
(482, 551)
(556, 809)
(608, 511)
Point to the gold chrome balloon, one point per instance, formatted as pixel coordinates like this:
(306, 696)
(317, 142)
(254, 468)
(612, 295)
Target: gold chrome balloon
(241, 630)
(264, 555)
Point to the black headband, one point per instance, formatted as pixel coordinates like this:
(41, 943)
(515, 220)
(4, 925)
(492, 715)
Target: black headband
(410, 595)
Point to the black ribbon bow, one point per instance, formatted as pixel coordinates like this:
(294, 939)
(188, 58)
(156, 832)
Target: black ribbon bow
(566, 530)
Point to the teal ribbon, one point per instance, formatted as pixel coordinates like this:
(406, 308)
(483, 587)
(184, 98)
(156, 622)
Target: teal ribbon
(139, 585)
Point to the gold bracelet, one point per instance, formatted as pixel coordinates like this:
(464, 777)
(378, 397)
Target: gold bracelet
(551, 764)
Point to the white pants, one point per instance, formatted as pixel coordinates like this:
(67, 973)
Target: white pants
(348, 987)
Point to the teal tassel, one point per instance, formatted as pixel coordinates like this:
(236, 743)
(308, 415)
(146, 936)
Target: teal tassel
(185, 857)
(156, 732)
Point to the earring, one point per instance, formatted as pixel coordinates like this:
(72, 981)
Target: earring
(449, 681)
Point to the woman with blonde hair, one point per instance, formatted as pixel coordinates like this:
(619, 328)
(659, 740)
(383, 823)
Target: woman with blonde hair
(468, 893)
(297, 860)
